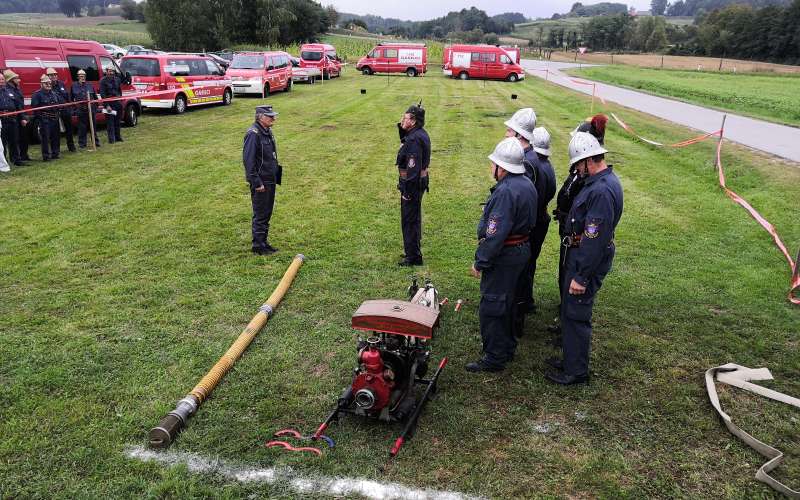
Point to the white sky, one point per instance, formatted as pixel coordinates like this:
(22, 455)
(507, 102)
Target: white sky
(420, 10)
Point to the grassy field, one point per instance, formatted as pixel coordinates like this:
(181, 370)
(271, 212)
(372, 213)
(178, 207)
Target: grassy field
(126, 274)
(677, 62)
(772, 97)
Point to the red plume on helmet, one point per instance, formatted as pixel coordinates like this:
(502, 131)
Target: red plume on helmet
(599, 126)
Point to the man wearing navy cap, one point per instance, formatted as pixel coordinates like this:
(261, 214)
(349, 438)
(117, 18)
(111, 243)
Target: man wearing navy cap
(263, 173)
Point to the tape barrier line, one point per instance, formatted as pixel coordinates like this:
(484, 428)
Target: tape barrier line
(740, 376)
(680, 144)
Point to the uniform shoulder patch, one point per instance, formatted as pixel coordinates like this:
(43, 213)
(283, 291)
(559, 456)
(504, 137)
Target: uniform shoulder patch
(592, 229)
(492, 224)
(412, 162)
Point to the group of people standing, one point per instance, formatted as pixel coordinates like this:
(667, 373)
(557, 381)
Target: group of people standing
(52, 117)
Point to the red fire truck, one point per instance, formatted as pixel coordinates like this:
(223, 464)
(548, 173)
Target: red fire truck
(480, 61)
(321, 56)
(260, 73)
(408, 58)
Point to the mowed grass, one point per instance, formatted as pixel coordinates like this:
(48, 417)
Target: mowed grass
(126, 274)
(771, 97)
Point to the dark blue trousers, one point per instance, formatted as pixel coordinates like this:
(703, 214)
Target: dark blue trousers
(527, 285)
(113, 123)
(576, 314)
(411, 224)
(50, 134)
(497, 310)
(263, 204)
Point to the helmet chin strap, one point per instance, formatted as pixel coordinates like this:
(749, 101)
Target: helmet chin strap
(494, 173)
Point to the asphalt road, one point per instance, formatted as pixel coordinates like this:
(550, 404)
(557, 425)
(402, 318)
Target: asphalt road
(772, 138)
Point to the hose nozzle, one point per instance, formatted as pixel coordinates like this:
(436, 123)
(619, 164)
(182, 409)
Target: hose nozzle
(162, 435)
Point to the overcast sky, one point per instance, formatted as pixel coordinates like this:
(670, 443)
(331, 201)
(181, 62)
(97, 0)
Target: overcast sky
(419, 10)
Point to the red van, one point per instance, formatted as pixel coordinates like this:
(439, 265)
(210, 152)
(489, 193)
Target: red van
(29, 57)
(260, 73)
(513, 52)
(193, 80)
(480, 61)
(321, 56)
(408, 58)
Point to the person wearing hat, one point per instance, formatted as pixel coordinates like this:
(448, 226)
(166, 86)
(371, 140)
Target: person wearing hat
(502, 254)
(14, 135)
(7, 105)
(83, 91)
(590, 249)
(110, 87)
(66, 112)
(48, 119)
(413, 160)
(263, 174)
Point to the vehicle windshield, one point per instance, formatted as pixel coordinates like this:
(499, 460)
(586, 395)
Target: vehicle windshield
(248, 62)
(140, 66)
(311, 55)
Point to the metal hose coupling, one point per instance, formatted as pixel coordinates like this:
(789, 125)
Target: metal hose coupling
(162, 435)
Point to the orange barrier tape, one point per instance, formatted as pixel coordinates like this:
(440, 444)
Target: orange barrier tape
(681, 144)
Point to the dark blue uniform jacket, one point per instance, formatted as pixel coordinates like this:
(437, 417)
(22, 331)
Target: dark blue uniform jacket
(414, 157)
(63, 97)
(19, 101)
(7, 102)
(79, 91)
(260, 157)
(594, 215)
(510, 210)
(541, 173)
(45, 98)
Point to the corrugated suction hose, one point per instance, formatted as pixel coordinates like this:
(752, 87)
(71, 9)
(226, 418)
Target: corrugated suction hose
(162, 435)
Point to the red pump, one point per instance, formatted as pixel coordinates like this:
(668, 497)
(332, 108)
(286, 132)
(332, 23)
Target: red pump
(373, 386)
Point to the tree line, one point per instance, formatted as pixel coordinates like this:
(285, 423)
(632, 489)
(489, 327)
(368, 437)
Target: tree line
(194, 25)
(693, 8)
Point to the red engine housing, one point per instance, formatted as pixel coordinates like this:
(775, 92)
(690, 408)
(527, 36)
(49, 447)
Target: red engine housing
(371, 390)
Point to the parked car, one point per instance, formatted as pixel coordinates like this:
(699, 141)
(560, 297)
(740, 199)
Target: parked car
(190, 79)
(300, 74)
(321, 56)
(129, 48)
(115, 50)
(260, 73)
(488, 62)
(223, 63)
(144, 52)
(408, 58)
(30, 56)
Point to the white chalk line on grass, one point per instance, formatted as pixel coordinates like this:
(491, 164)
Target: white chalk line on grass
(285, 476)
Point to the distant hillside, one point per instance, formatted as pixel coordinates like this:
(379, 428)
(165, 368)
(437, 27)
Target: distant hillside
(463, 20)
(693, 7)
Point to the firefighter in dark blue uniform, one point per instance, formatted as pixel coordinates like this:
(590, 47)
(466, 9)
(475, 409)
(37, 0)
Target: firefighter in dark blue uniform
(263, 173)
(48, 119)
(82, 91)
(591, 222)
(413, 160)
(7, 124)
(66, 112)
(545, 181)
(502, 254)
(111, 86)
(14, 126)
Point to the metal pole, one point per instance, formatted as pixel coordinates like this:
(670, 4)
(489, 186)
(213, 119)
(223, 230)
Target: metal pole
(719, 140)
(594, 85)
(91, 121)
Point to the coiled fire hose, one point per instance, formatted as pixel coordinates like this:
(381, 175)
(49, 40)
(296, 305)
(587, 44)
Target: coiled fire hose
(167, 430)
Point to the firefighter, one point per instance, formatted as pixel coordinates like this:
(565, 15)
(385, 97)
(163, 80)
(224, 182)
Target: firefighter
(111, 86)
(589, 253)
(82, 91)
(412, 163)
(545, 183)
(502, 254)
(263, 173)
(14, 134)
(596, 126)
(7, 105)
(66, 112)
(49, 131)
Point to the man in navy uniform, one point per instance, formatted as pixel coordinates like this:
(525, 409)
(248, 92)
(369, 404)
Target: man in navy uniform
(545, 182)
(48, 119)
(590, 224)
(263, 173)
(14, 132)
(66, 112)
(111, 86)
(82, 91)
(413, 160)
(8, 126)
(502, 254)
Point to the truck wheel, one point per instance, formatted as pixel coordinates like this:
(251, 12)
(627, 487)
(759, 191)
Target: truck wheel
(463, 75)
(411, 72)
(288, 87)
(131, 116)
(180, 104)
(512, 77)
(266, 89)
(366, 70)
(227, 97)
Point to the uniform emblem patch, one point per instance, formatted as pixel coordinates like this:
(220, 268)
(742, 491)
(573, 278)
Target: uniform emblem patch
(491, 227)
(411, 162)
(592, 230)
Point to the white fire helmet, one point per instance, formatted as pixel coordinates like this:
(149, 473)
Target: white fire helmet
(541, 141)
(508, 155)
(523, 122)
(583, 145)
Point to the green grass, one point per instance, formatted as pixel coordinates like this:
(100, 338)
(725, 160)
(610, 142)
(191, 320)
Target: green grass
(126, 274)
(771, 97)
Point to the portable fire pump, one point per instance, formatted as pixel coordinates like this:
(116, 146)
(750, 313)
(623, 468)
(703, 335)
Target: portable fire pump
(392, 362)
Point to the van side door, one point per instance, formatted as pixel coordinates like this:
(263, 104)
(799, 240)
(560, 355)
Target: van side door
(492, 65)
(476, 68)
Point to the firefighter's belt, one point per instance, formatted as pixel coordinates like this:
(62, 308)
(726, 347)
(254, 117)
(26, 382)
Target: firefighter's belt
(740, 376)
(515, 239)
(571, 240)
(404, 173)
